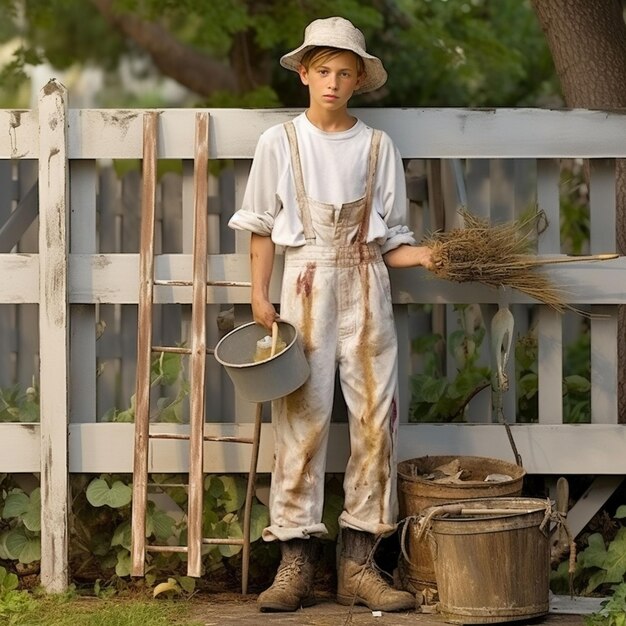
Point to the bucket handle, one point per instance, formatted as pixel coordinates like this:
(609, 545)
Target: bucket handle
(274, 338)
(425, 523)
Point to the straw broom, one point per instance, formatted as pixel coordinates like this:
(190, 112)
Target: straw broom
(500, 255)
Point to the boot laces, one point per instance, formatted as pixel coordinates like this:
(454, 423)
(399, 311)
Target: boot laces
(288, 571)
(374, 575)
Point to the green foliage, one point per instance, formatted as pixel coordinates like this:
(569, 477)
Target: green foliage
(599, 567)
(452, 53)
(20, 540)
(608, 563)
(17, 405)
(574, 208)
(613, 611)
(13, 603)
(166, 371)
(434, 397)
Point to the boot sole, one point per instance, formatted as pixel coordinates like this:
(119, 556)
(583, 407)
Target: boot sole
(398, 606)
(275, 607)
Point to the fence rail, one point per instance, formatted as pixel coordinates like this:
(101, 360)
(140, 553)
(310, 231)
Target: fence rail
(84, 270)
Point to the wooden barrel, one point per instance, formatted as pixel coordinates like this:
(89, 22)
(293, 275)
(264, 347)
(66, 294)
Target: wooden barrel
(415, 494)
(492, 568)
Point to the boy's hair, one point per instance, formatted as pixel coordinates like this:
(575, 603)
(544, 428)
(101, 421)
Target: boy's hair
(320, 54)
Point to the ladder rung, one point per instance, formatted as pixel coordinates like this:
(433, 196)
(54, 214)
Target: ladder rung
(168, 436)
(166, 548)
(228, 439)
(171, 349)
(213, 283)
(227, 541)
(177, 350)
(216, 438)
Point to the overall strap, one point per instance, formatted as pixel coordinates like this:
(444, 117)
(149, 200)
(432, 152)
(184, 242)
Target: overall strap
(296, 166)
(369, 185)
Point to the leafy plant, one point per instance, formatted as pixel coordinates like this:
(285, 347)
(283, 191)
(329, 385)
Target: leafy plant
(13, 603)
(166, 370)
(434, 397)
(17, 405)
(613, 611)
(598, 566)
(21, 540)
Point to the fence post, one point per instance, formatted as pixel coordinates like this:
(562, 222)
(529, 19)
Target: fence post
(54, 335)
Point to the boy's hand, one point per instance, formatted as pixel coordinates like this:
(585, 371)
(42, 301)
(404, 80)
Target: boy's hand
(263, 312)
(411, 256)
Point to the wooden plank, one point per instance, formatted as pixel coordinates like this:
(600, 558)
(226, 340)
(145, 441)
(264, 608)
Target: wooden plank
(418, 133)
(108, 348)
(24, 284)
(130, 199)
(54, 333)
(144, 345)
(82, 389)
(594, 498)
(112, 278)
(108, 447)
(604, 359)
(599, 447)
(19, 138)
(197, 397)
(549, 326)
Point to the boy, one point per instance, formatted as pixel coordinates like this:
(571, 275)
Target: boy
(332, 191)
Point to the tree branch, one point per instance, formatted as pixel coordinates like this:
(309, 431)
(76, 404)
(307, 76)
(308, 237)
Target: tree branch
(197, 71)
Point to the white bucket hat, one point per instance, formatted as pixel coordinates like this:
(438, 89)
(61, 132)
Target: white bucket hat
(337, 32)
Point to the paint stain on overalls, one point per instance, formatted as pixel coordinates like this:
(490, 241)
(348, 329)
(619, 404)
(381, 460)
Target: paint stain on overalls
(336, 292)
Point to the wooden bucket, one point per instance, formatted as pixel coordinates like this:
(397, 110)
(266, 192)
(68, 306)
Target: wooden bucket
(492, 567)
(416, 494)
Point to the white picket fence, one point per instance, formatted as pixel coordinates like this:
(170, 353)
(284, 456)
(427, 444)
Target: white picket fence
(70, 278)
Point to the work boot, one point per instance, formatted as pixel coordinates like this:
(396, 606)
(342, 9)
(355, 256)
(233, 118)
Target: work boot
(293, 583)
(359, 581)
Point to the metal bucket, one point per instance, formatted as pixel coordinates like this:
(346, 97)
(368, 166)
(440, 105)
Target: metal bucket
(492, 568)
(416, 494)
(272, 378)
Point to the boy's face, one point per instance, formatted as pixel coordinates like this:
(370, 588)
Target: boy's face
(332, 81)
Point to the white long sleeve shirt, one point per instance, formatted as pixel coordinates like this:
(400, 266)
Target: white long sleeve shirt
(334, 167)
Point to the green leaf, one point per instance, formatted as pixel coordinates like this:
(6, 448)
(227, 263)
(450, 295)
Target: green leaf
(214, 486)
(594, 555)
(576, 384)
(122, 567)
(122, 535)
(428, 389)
(187, 583)
(23, 546)
(15, 505)
(100, 494)
(233, 530)
(8, 581)
(161, 524)
(615, 563)
(260, 519)
(595, 580)
(234, 493)
(32, 516)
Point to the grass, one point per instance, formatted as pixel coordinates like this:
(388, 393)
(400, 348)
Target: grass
(67, 610)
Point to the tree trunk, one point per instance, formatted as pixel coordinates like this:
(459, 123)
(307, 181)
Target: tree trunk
(588, 45)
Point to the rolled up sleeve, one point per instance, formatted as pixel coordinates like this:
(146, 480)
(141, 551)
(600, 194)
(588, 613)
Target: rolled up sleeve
(261, 203)
(391, 190)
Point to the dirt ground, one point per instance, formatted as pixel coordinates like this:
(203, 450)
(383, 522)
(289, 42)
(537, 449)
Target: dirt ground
(227, 609)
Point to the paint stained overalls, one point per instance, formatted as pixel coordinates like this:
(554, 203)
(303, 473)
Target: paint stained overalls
(336, 292)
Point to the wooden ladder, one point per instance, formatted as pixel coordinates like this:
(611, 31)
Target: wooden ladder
(197, 352)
